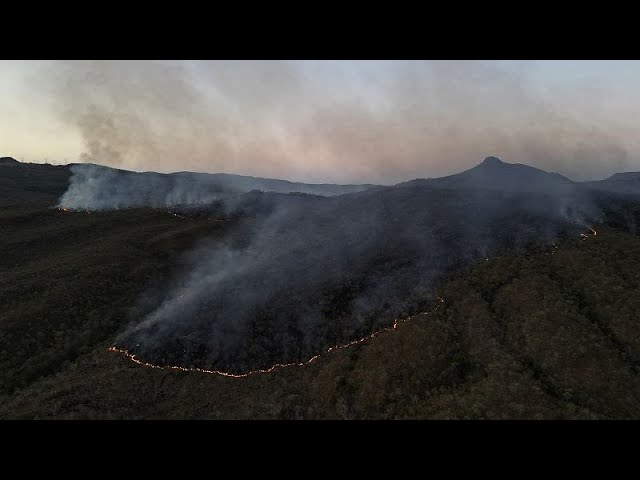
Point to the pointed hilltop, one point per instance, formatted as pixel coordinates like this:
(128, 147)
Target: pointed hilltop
(495, 174)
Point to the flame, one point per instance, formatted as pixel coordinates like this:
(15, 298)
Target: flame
(393, 327)
(62, 209)
(587, 235)
(178, 216)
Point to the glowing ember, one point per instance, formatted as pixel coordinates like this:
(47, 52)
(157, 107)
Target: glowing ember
(587, 235)
(178, 216)
(396, 322)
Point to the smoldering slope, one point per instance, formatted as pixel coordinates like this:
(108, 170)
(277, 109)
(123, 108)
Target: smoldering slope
(300, 273)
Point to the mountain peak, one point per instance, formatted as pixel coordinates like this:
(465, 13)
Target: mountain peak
(492, 161)
(495, 174)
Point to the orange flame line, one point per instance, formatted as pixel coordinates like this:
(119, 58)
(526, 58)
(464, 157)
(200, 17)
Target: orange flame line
(393, 327)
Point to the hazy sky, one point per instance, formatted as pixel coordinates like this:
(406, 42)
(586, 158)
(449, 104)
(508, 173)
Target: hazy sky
(316, 121)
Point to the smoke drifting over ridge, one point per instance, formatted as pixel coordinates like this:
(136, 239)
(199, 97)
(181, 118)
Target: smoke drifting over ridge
(295, 274)
(348, 122)
(298, 273)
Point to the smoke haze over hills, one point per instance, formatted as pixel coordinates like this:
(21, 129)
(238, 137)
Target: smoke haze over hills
(298, 273)
(343, 122)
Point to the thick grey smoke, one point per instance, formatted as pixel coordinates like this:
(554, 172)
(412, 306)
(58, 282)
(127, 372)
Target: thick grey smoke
(352, 122)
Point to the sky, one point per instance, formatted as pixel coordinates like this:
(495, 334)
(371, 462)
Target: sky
(324, 121)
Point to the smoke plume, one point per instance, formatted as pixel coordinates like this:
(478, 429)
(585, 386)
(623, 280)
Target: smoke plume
(296, 273)
(299, 273)
(348, 122)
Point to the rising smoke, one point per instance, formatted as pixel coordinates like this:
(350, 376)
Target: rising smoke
(348, 122)
(299, 273)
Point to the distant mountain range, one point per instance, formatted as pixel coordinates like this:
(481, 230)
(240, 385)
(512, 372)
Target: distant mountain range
(95, 187)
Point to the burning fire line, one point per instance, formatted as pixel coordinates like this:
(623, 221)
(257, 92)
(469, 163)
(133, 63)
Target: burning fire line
(68, 210)
(393, 327)
(396, 322)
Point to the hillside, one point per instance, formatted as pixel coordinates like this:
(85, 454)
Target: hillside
(525, 330)
(67, 282)
(301, 273)
(531, 336)
(494, 174)
(627, 182)
(31, 183)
